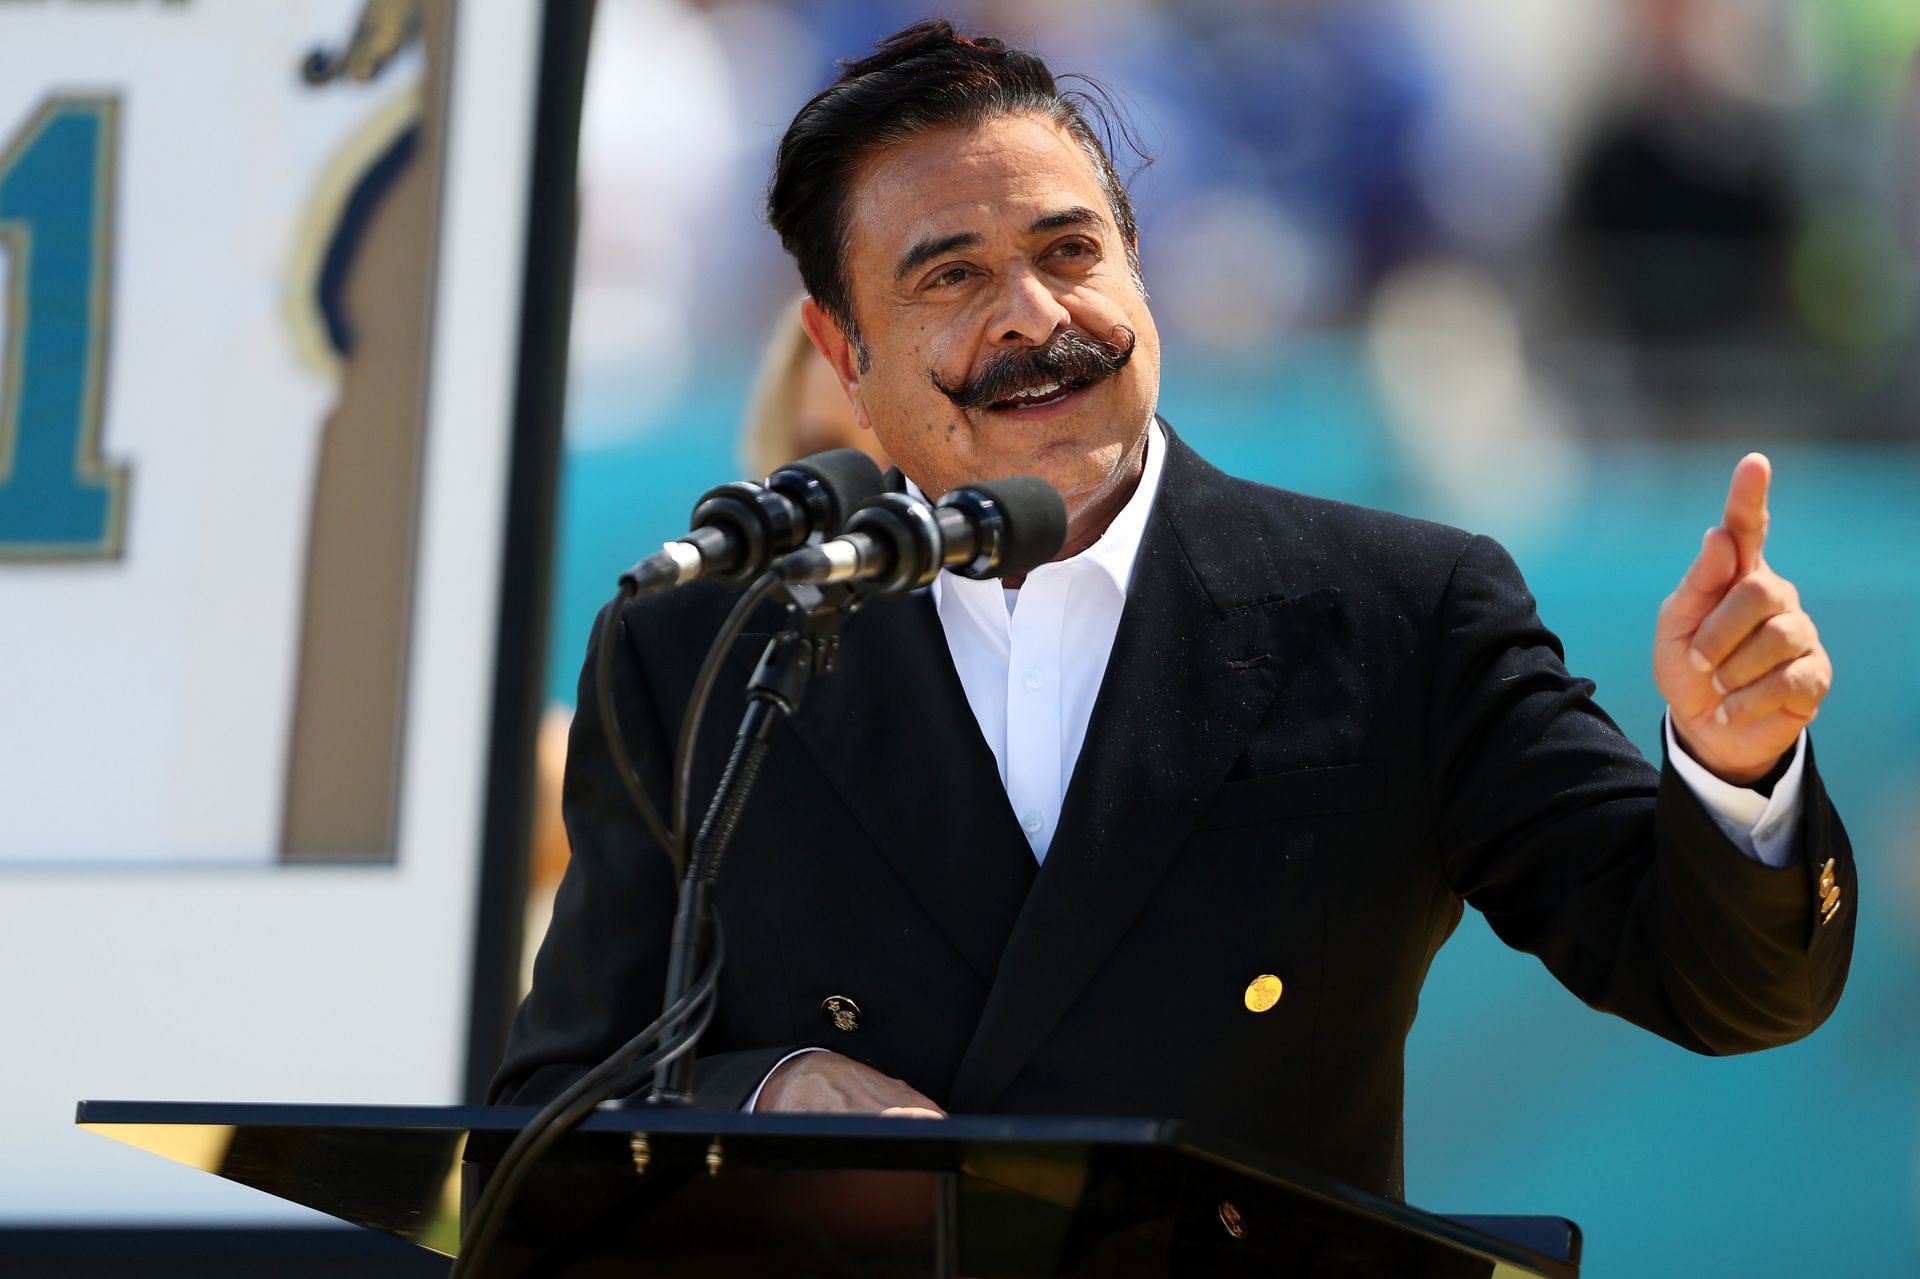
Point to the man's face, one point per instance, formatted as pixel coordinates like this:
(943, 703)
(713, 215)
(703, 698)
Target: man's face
(984, 266)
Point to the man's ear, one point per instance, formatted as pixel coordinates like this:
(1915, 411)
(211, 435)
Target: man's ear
(832, 343)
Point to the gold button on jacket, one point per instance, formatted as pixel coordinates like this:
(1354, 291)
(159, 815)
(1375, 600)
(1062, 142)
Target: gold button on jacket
(842, 1013)
(1263, 992)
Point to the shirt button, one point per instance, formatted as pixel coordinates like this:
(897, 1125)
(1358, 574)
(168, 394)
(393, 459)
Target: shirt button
(1031, 823)
(1033, 678)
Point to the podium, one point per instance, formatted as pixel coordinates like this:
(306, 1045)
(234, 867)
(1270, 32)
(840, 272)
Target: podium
(717, 1194)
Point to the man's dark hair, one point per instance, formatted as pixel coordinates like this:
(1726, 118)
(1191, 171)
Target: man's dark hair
(924, 77)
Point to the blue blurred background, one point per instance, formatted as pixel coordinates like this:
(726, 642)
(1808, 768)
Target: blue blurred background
(1543, 270)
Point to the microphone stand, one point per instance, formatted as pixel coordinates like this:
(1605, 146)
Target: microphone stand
(810, 645)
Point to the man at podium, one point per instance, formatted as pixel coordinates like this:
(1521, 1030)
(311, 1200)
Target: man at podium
(1175, 824)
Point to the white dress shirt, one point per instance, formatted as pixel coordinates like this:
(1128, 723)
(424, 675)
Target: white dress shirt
(1031, 661)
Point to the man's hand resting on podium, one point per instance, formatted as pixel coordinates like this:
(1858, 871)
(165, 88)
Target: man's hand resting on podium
(827, 1083)
(1734, 654)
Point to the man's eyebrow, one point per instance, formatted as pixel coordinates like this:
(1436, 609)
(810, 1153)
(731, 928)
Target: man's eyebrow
(1078, 215)
(927, 250)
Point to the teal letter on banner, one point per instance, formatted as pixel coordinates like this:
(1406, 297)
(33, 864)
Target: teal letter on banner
(58, 499)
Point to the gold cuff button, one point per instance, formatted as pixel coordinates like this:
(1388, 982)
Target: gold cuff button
(841, 1013)
(1230, 1219)
(1263, 992)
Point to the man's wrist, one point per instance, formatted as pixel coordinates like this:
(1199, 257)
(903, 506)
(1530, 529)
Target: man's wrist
(1760, 823)
(1762, 783)
(1744, 780)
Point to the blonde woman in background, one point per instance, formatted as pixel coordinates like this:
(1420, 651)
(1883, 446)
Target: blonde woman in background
(796, 407)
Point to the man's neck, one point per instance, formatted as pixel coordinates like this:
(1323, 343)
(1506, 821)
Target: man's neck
(1086, 525)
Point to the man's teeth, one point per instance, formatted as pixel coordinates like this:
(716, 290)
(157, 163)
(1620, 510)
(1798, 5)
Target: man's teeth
(1035, 392)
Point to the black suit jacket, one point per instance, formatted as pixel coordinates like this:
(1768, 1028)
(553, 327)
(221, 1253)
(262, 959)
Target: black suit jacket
(1322, 729)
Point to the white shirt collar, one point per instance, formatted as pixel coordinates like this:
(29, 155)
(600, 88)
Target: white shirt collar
(1113, 553)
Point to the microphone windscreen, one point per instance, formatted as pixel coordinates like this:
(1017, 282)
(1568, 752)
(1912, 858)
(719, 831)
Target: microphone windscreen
(847, 478)
(1036, 521)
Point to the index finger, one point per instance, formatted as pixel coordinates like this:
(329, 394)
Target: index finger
(1746, 513)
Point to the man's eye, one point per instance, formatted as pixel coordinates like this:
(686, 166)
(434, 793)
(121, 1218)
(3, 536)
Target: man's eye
(952, 276)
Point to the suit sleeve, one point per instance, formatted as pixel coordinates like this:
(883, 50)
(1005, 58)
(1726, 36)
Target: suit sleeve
(601, 970)
(1576, 850)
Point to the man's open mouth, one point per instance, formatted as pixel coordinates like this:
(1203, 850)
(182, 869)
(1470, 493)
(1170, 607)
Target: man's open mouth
(1041, 396)
(1047, 376)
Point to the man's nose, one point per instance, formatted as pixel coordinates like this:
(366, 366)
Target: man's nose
(1029, 312)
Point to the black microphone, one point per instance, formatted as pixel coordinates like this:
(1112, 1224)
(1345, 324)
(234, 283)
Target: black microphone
(740, 529)
(897, 543)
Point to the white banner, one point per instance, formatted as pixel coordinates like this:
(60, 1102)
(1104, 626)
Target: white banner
(159, 936)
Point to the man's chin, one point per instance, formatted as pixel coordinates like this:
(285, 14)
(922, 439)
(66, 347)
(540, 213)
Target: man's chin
(1046, 438)
(1087, 478)
(1066, 464)
(1074, 452)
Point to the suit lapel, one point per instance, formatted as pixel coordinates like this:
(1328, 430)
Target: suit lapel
(894, 735)
(1191, 676)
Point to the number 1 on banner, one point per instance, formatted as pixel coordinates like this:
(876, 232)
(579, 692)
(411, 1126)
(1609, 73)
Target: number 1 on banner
(58, 499)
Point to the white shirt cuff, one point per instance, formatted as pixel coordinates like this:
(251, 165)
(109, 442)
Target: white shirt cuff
(755, 1099)
(1765, 828)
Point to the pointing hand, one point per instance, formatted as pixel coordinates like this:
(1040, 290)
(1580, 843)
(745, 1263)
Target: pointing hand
(1738, 660)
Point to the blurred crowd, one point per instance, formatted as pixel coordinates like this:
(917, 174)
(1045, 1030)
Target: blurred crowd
(1576, 220)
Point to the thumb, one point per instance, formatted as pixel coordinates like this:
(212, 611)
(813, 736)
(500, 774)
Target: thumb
(1707, 580)
(1746, 514)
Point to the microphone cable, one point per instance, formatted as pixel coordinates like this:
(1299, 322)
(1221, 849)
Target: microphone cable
(561, 1115)
(703, 684)
(612, 631)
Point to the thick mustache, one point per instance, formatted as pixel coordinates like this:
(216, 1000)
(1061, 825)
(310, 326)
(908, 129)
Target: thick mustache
(1071, 357)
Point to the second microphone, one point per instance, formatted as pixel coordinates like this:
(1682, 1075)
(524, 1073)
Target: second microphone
(897, 543)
